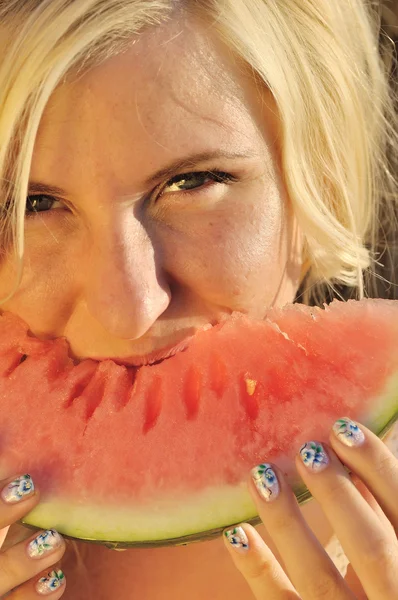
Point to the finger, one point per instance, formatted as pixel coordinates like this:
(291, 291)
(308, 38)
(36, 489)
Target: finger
(25, 560)
(351, 578)
(309, 567)
(367, 544)
(18, 496)
(16, 533)
(367, 456)
(258, 565)
(48, 583)
(3, 535)
(371, 500)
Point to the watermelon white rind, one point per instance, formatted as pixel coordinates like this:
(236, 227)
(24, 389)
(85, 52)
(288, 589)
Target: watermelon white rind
(203, 517)
(160, 455)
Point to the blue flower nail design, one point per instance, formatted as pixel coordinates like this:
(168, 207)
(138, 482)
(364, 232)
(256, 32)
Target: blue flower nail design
(44, 543)
(19, 489)
(314, 456)
(237, 538)
(50, 583)
(348, 432)
(266, 481)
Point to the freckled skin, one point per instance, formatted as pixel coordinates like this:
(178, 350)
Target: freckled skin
(121, 272)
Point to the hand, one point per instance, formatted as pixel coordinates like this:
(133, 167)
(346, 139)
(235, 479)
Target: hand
(368, 534)
(27, 569)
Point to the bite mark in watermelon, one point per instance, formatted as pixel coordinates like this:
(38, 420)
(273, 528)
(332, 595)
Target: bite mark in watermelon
(161, 454)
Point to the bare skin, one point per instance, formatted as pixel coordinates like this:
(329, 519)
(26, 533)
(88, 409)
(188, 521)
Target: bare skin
(172, 261)
(198, 571)
(123, 266)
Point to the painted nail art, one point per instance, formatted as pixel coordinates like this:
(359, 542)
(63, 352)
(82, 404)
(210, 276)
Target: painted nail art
(20, 489)
(266, 481)
(49, 584)
(348, 432)
(314, 456)
(237, 538)
(44, 543)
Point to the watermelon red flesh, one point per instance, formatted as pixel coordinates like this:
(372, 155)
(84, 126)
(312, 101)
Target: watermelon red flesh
(162, 453)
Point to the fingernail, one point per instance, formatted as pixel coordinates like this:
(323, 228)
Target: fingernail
(237, 538)
(314, 456)
(44, 543)
(18, 490)
(348, 432)
(266, 482)
(49, 584)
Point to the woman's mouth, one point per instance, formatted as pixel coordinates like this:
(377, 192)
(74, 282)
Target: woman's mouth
(156, 355)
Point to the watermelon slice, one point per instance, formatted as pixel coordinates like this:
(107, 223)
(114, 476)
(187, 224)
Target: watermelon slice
(160, 454)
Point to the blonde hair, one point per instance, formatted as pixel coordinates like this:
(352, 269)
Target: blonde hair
(319, 59)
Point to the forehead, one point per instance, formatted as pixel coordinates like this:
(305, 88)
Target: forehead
(176, 90)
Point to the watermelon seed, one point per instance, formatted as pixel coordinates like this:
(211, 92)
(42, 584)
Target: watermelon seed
(192, 392)
(153, 404)
(76, 393)
(23, 358)
(251, 385)
(218, 375)
(249, 398)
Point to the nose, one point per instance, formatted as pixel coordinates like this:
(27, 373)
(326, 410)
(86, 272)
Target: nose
(125, 287)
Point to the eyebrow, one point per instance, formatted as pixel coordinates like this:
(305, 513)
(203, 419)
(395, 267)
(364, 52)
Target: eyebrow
(37, 187)
(192, 160)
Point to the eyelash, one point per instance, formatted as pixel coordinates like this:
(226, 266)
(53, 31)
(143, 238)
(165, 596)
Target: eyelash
(216, 176)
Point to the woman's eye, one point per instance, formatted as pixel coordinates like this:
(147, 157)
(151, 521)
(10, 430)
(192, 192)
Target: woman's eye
(191, 181)
(40, 203)
(185, 182)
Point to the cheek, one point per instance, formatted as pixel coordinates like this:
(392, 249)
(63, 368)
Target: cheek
(47, 292)
(235, 255)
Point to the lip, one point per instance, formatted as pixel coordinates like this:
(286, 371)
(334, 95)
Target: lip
(156, 355)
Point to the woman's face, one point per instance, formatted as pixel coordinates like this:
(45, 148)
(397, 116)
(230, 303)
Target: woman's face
(171, 211)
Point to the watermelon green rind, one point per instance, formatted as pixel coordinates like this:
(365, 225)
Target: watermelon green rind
(381, 422)
(201, 511)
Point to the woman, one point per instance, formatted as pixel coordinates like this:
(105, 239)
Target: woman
(163, 164)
